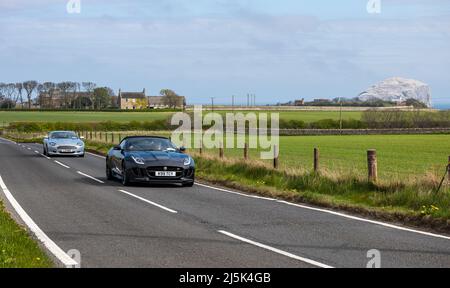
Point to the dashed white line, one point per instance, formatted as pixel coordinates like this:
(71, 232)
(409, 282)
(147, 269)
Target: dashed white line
(149, 202)
(98, 156)
(35, 151)
(90, 177)
(45, 156)
(275, 250)
(65, 259)
(63, 165)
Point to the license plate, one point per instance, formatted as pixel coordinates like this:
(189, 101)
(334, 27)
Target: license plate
(66, 151)
(165, 174)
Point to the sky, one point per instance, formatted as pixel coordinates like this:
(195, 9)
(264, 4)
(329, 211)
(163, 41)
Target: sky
(278, 50)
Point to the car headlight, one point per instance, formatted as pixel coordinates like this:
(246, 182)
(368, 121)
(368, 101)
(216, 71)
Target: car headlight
(187, 161)
(52, 143)
(80, 144)
(138, 160)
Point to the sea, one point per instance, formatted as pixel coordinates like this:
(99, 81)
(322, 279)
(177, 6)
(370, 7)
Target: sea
(444, 106)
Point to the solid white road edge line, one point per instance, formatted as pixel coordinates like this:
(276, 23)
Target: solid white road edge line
(63, 165)
(322, 210)
(278, 251)
(333, 213)
(90, 177)
(7, 140)
(48, 243)
(149, 202)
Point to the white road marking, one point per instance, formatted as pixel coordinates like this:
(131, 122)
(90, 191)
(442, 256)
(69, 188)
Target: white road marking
(275, 250)
(10, 141)
(28, 148)
(99, 156)
(45, 156)
(65, 259)
(90, 177)
(63, 165)
(149, 202)
(237, 193)
(35, 151)
(333, 213)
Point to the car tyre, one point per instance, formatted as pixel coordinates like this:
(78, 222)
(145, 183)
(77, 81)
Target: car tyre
(44, 151)
(109, 174)
(125, 179)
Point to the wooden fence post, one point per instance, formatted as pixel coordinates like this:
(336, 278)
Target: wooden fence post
(221, 150)
(448, 169)
(246, 151)
(112, 137)
(276, 155)
(90, 134)
(106, 137)
(372, 165)
(316, 160)
(201, 147)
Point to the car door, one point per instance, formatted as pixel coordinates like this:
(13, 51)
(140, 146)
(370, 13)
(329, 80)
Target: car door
(118, 156)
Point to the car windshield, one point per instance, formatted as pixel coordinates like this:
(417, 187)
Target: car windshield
(63, 135)
(150, 144)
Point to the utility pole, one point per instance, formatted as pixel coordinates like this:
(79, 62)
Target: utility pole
(340, 115)
(232, 103)
(212, 104)
(248, 99)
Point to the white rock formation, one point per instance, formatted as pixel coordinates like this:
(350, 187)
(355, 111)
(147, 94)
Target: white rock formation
(398, 90)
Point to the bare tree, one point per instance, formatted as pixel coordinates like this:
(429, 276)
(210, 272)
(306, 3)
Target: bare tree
(29, 87)
(49, 88)
(19, 87)
(65, 88)
(90, 87)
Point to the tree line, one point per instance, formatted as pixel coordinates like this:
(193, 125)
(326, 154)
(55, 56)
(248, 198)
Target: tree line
(22, 94)
(66, 95)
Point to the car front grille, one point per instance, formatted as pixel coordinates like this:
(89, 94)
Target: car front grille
(67, 148)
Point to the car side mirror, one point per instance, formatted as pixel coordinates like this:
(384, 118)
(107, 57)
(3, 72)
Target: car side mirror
(182, 149)
(118, 148)
(82, 137)
(46, 138)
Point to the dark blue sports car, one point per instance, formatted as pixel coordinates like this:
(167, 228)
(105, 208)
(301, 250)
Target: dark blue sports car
(149, 159)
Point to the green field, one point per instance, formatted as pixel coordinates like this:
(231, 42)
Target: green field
(310, 116)
(56, 116)
(399, 156)
(17, 249)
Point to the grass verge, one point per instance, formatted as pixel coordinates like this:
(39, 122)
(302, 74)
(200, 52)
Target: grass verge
(17, 248)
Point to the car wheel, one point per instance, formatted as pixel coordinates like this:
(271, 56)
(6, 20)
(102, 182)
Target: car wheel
(125, 178)
(45, 151)
(109, 175)
(81, 156)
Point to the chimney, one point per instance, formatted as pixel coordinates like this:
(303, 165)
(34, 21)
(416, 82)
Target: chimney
(143, 91)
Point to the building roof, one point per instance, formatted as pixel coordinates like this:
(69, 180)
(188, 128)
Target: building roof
(132, 95)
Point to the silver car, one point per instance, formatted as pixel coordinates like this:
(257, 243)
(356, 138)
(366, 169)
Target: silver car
(63, 143)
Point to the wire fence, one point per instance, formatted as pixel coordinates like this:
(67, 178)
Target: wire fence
(397, 160)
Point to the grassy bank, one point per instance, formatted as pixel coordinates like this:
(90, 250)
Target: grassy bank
(17, 249)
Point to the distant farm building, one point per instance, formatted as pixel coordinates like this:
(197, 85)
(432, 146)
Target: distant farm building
(138, 100)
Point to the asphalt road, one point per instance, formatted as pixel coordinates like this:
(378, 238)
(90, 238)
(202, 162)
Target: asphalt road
(169, 226)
